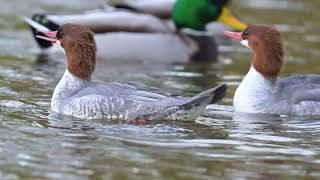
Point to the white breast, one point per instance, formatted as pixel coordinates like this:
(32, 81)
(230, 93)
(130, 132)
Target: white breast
(254, 94)
(66, 88)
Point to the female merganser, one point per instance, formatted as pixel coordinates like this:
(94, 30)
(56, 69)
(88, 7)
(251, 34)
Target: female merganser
(118, 30)
(76, 95)
(260, 91)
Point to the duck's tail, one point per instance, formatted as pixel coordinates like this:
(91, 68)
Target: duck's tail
(196, 105)
(216, 94)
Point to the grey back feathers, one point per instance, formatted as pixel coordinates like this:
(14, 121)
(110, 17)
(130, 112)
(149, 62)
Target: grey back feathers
(134, 100)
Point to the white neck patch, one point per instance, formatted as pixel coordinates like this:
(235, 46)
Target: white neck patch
(245, 43)
(58, 43)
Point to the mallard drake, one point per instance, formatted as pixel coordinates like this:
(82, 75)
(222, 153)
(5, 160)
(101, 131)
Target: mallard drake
(123, 34)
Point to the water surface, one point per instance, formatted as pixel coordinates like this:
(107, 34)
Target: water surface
(38, 144)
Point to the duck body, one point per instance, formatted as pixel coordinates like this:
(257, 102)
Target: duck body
(159, 8)
(155, 47)
(129, 36)
(126, 101)
(302, 92)
(294, 95)
(260, 91)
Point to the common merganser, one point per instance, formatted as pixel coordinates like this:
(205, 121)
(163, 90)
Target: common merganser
(76, 95)
(260, 91)
(117, 30)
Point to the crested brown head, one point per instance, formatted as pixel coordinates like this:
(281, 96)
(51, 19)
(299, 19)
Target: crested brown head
(267, 43)
(80, 48)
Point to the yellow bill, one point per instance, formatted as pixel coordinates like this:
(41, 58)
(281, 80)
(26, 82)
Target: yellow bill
(227, 18)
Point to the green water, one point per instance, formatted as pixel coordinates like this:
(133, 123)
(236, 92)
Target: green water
(38, 144)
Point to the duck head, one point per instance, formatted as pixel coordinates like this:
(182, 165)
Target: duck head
(267, 44)
(79, 46)
(196, 14)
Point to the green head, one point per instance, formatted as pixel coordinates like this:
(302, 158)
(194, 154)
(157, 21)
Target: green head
(196, 14)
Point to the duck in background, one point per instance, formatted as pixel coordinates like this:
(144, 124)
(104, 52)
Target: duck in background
(129, 33)
(76, 95)
(261, 91)
(193, 14)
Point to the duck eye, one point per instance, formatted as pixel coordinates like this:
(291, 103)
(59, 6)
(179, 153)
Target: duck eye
(245, 34)
(59, 35)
